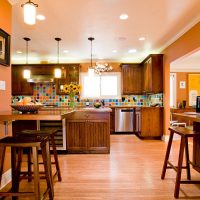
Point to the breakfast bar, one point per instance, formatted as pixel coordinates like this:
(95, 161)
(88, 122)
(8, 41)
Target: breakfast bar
(87, 130)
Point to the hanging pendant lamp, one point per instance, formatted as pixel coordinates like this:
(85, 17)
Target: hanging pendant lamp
(91, 69)
(27, 72)
(57, 71)
(29, 12)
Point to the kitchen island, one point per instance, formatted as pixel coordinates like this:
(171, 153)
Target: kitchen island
(87, 130)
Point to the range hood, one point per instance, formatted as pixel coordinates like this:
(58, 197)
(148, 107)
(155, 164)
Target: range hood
(41, 79)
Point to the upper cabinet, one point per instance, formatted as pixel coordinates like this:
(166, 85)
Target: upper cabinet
(70, 74)
(20, 86)
(153, 74)
(131, 79)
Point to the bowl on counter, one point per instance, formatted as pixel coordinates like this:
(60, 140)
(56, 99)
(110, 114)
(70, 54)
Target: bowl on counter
(27, 108)
(97, 105)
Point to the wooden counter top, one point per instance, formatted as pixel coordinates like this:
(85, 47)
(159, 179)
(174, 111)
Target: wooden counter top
(195, 117)
(47, 114)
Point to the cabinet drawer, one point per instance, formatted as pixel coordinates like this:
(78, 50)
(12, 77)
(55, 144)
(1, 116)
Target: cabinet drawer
(88, 115)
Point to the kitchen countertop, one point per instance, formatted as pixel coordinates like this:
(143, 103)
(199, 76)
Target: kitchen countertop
(47, 114)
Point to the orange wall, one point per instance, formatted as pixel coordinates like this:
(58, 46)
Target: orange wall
(5, 72)
(186, 44)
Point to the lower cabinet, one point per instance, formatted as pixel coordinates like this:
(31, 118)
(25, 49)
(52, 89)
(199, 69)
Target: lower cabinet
(89, 135)
(151, 122)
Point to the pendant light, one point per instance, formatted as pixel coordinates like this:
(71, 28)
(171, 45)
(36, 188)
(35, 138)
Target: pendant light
(27, 72)
(29, 12)
(57, 71)
(91, 69)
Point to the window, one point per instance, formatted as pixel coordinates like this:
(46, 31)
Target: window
(105, 86)
(172, 89)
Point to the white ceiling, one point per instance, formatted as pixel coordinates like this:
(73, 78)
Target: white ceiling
(188, 63)
(159, 21)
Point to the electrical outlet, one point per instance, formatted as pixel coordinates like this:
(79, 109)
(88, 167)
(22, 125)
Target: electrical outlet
(2, 85)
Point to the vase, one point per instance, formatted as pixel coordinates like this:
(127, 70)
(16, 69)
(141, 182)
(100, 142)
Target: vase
(72, 102)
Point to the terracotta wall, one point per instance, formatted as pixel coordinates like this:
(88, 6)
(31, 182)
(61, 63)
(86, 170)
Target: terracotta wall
(5, 72)
(188, 43)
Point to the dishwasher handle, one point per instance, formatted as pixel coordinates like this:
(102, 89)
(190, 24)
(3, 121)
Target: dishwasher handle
(127, 110)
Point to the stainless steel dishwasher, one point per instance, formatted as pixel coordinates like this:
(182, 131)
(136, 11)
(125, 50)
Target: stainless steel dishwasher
(124, 119)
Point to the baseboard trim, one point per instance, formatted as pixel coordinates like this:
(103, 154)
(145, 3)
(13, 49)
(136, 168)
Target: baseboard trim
(165, 138)
(6, 178)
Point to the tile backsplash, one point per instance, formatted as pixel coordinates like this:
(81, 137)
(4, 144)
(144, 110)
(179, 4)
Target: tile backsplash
(46, 94)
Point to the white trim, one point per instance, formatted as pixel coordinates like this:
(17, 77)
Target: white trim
(6, 178)
(184, 69)
(174, 84)
(165, 138)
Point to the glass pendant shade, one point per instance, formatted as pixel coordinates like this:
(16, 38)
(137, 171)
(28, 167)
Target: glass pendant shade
(26, 73)
(90, 72)
(57, 73)
(29, 13)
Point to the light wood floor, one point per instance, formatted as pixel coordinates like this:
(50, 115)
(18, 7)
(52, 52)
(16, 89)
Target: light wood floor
(131, 171)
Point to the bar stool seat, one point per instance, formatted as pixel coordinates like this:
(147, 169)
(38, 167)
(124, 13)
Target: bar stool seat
(185, 133)
(17, 145)
(51, 136)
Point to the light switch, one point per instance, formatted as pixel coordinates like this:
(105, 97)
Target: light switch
(2, 85)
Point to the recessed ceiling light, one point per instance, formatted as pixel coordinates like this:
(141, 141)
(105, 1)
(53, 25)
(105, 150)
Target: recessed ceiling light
(40, 17)
(123, 16)
(65, 51)
(141, 38)
(132, 50)
(114, 51)
(19, 52)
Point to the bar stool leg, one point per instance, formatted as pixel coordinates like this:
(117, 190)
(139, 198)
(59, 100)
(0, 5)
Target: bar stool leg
(29, 165)
(2, 156)
(36, 173)
(187, 159)
(167, 154)
(47, 166)
(179, 168)
(56, 157)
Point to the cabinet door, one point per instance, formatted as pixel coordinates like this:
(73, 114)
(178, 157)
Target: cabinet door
(98, 136)
(20, 86)
(151, 122)
(147, 76)
(72, 74)
(76, 135)
(131, 78)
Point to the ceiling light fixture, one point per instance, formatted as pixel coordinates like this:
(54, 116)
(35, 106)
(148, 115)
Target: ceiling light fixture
(29, 12)
(91, 68)
(57, 71)
(26, 72)
(40, 17)
(132, 50)
(123, 16)
(141, 38)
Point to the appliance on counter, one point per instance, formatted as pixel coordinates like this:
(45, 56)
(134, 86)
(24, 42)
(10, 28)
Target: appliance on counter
(124, 120)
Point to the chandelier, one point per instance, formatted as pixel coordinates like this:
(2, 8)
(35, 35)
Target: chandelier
(102, 67)
(99, 67)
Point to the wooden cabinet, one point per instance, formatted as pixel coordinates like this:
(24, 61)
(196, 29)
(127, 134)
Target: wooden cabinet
(20, 86)
(151, 122)
(153, 74)
(131, 79)
(70, 74)
(88, 132)
(112, 121)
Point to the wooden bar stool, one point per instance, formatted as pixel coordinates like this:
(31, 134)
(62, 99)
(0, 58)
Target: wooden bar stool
(17, 145)
(43, 133)
(185, 133)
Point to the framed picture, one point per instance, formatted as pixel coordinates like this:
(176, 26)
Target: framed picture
(4, 48)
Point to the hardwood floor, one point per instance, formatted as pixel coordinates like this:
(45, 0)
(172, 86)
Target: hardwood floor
(131, 171)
